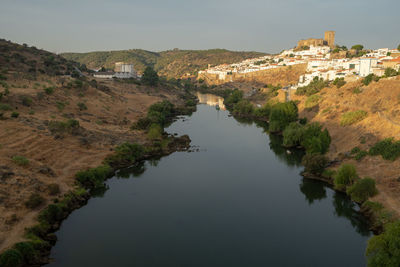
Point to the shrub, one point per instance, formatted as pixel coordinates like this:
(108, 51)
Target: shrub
(34, 201)
(234, 97)
(368, 79)
(293, 134)
(345, 176)
(262, 112)
(82, 106)
(60, 105)
(314, 163)
(357, 47)
(126, 153)
(155, 132)
(141, 124)
(243, 107)
(26, 100)
(69, 126)
(383, 249)
(362, 189)
(314, 87)
(357, 90)
(52, 214)
(389, 72)
(94, 177)
(316, 140)
(352, 117)
(54, 189)
(360, 155)
(5, 107)
(387, 148)
(28, 252)
(20, 160)
(49, 90)
(14, 114)
(11, 258)
(312, 101)
(339, 82)
(281, 115)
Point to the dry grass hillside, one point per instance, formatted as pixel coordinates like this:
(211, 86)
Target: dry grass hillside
(40, 150)
(381, 102)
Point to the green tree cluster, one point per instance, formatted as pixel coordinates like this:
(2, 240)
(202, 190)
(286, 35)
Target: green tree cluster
(150, 77)
(281, 115)
(314, 87)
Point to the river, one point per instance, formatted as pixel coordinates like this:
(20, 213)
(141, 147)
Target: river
(238, 201)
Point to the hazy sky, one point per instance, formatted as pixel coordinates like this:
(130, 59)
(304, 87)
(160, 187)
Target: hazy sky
(259, 25)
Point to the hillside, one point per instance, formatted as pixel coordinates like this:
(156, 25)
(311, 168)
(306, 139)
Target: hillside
(173, 63)
(54, 125)
(380, 101)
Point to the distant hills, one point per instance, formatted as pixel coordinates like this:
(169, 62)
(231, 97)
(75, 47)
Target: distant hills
(172, 63)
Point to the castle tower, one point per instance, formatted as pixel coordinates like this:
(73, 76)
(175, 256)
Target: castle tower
(330, 38)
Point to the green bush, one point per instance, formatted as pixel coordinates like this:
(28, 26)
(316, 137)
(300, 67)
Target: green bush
(141, 124)
(243, 108)
(160, 112)
(357, 90)
(34, 201)
(293, 134)
(314, 87)
(281, 115)
(339, 82)
(49, 90)
(233, 98)
(26, 100)
(384, 249)
(82, 106)
(352, 117)
(20, 160)
(94, 178)
(69, 126)
(125, 154)
(314, 163)
(345, 176)
(262, 112)
(52, 214)
(389, 72)
(312, 101)
(28, 252)
(5, 107)
(368, 79)
(11, 258)
(14, 114)
(155, 132)
(387, 148)
(316, 140)
(360, 155)
(362, 189)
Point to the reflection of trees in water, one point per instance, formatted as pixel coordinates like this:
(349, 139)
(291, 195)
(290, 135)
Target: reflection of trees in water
(292, 159)
(313, 190)
(346, 208)
(135, 170)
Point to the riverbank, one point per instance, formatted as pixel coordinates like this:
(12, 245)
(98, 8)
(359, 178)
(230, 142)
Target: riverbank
(56, 135)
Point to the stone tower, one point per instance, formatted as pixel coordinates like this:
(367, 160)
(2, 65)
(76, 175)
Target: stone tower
(330, 38)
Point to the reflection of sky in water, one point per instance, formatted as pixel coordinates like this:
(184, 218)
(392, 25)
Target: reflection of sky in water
(211, 100)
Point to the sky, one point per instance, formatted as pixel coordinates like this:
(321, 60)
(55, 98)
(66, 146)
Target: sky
(157, 25)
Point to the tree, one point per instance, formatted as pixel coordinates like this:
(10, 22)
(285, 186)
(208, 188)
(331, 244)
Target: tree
(384, 249)
(357, 47)
(389, 72)
(150, 76)
(345, 176)
(398, 48)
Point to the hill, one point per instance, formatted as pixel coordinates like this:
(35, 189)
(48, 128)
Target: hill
(53, 125)
(173, 63)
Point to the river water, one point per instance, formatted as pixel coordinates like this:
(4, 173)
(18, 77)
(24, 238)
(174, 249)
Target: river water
(238, 201)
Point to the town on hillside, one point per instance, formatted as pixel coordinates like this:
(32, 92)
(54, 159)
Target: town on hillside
(324, 60)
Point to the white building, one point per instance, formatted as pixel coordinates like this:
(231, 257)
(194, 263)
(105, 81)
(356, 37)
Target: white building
(367, 65)
(104, 75)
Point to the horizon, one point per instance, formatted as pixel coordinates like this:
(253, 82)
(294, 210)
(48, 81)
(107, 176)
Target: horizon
(261, 26)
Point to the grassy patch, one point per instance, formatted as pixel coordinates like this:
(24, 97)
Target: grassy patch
(352, 117)
(312, 101)
(20, 160)
(387, 148)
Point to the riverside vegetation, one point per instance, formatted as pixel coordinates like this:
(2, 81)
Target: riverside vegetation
(283, 120)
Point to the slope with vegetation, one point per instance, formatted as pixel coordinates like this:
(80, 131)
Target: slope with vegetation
(172, 63)
(61, 135)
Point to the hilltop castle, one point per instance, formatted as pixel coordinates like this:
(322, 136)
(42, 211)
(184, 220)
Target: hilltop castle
(329, 40)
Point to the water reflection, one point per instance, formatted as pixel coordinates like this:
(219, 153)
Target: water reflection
(290, 157)
(211, 100)
(312, 190)
(136, 170)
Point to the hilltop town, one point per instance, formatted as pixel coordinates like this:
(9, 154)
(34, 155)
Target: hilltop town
(322, 58)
